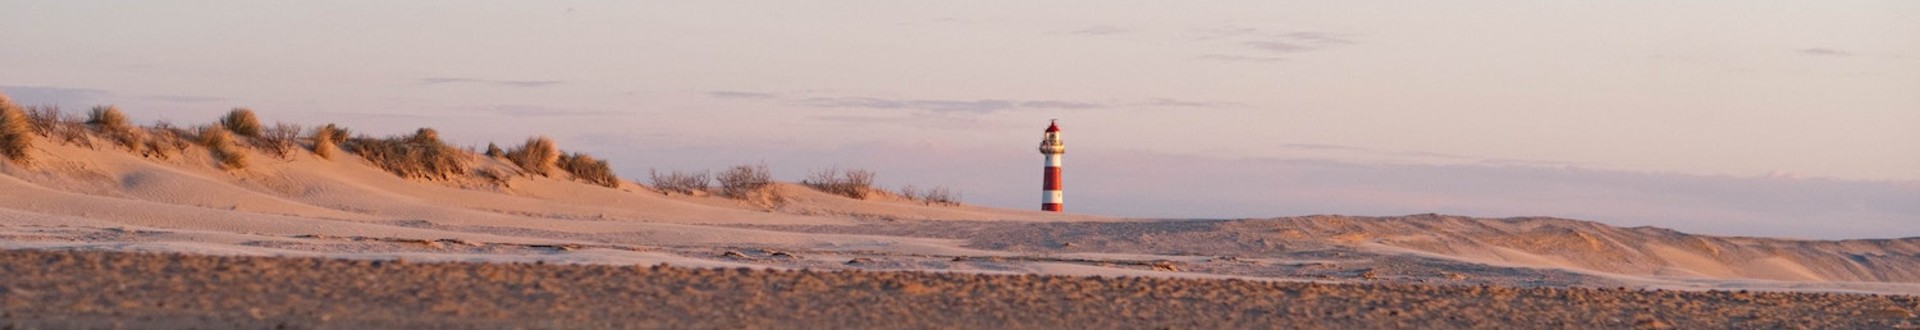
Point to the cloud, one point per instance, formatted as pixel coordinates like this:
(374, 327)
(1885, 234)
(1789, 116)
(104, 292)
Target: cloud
(1266, 45)
(1172, 103)
(1100, 30)
(984, 105)
(1239, 58)
(56, 96)
(942, 106)
(519, 110)
(741, 95)
(499, 83)
(1824, 52)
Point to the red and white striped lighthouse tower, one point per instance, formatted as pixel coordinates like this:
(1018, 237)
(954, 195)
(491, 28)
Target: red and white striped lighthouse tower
(1051, 198)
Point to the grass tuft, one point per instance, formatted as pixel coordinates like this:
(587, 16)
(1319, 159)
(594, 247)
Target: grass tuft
(110, 122)
(242, 122)
(327, 140)
(586, 168)
(16, 132)
(537, 156)
(224, 148)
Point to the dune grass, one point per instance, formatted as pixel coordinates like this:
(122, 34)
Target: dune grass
(537, 156)
(16, 132)
(420, 155)
(113, 124)
(584, 167)
(242, 122)
(327, 139)
(226, 152)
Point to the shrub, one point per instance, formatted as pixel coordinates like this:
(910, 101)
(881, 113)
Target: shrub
(934, 196)
(940, 196)
(537, 156)
(854, 183)
(327, 140)
(279, 140)
(16, 132)
(738, 181)
(242, 122)
(221, 144)
(421, 155)
(49, 121)
(681, 182)
(586, 168)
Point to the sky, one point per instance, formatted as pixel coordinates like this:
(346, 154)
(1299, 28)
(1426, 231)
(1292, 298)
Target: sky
(1770, 118)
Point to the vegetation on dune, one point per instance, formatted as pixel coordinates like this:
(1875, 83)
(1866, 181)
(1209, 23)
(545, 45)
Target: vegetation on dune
(16, 133)
(537, 156)
(739, 181)
(930, 196)
(852, 183)
(225, 150)
(242, 122)
(685, 183)
(327, 139)
(494, 151)
(584, 167)
(420, 155)
(281, 139)
(110, 122)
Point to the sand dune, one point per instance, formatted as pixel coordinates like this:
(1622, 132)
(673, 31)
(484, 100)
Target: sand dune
(99, 197)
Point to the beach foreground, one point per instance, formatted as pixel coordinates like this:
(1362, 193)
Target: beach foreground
(95, 289)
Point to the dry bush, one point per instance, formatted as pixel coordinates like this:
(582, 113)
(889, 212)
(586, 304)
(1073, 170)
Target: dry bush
(854, 183)
(493, 150)
(940, 196)
(537, 156)
(327, 139)
(110, 122)
(421, 155)
(16, 132)
(50, 122)
(280, 140)
(737, 182)
(586, 168)
(242, 122)
(224, 148)
(681, 182)
(933, 196)
(164, 141)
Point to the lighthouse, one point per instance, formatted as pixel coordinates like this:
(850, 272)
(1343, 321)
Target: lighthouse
(1051, 199)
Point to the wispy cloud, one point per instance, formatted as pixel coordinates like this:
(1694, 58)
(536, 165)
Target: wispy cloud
(1824, 52)
(1239, 58)
(1173, 103)
(59, 96)
(520, 110)
(1267, 46)
(501, 83)
(1100, 30)
(741, 95)
(977, 106)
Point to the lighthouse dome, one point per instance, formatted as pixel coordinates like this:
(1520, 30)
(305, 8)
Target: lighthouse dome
(1053, 127)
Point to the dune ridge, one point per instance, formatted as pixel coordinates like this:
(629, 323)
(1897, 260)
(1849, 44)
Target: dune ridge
(81, 192)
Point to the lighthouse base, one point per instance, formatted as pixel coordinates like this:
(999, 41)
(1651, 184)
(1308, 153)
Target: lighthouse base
(1051, 207)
